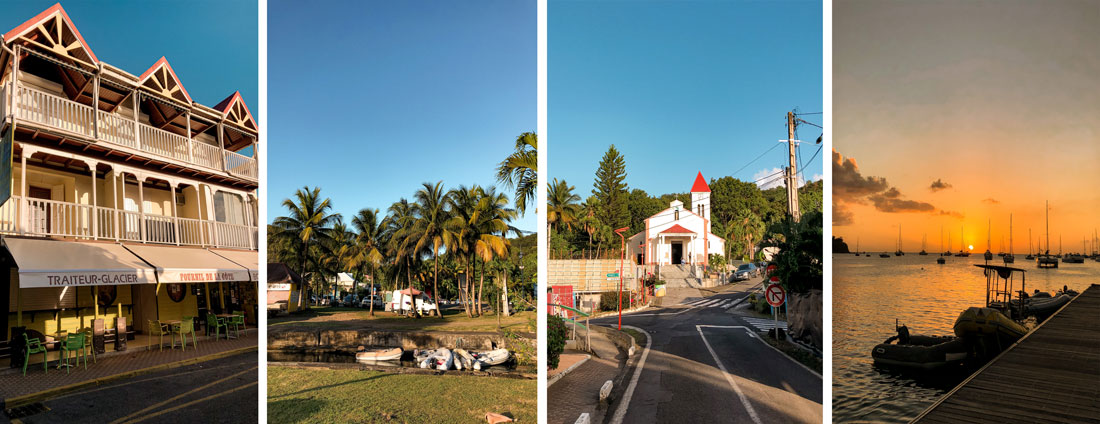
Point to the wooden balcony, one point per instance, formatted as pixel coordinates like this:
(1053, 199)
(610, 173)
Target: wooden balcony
(40, 217)
(55, 112)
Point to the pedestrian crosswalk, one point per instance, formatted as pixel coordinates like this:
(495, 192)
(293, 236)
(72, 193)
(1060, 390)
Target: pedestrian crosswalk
(764, 324)
(711, 303)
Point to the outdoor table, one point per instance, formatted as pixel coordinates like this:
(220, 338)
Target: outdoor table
(226, 317)
(173, 325)
(58, 339)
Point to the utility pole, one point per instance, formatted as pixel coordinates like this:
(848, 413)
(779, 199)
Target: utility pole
(792, 170)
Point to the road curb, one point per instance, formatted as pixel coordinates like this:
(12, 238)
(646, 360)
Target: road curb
(554, 379)
(17, 401)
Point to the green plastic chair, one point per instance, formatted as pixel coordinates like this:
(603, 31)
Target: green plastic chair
(88, 343)
(214, 322)
(238, 322)
(187, 325)
(74, 343)
(160, 330)
(33, 346)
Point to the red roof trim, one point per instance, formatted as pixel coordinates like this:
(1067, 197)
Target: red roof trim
(700, 185)
(224, 106)
(26, 26)
(677, 229)
(164, 62)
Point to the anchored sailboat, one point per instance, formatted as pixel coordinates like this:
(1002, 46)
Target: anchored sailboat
(1009, 257)
(1045, 260)
(899, 252)
(988, 254)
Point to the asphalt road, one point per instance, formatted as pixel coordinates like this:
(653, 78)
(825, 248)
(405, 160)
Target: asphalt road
(219, 391)
(682, 379)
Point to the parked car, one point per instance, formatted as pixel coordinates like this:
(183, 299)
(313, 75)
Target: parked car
(367, 300)
(403, 303)
(745, 272)
(350, 301)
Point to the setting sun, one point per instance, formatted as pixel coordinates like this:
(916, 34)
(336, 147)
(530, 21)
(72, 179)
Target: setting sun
(971, 247)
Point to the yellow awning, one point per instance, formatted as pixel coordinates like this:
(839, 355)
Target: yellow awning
(53, 263)
(176, 264)
(250, 259)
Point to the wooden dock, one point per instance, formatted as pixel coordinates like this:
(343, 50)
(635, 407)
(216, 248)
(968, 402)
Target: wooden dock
(1050, 375)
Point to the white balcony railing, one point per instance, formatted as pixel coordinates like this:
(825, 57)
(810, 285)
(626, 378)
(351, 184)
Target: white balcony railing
(59, 113)
(116, 129)
(207, 155)
(163, 143)
(54, 111)
(241, 165)
(40, 217)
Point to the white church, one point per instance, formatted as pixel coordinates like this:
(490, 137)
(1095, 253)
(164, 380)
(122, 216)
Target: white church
(679, 235)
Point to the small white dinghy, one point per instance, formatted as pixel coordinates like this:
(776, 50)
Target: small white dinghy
(490, 358)
(441, 359)
(378, 355)
(464, 359)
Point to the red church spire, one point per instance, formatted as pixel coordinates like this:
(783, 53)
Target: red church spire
(700, 185)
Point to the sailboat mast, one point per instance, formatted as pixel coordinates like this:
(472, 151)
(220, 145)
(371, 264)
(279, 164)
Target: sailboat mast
(1009, 234)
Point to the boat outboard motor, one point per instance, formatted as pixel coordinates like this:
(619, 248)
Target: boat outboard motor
(902, 337)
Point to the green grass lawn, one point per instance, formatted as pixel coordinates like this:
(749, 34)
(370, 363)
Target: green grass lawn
(639, 338)
(299, 395)
(325, 317)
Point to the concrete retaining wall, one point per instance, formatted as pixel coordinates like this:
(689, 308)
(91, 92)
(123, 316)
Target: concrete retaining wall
(589, 275)
(408, 340)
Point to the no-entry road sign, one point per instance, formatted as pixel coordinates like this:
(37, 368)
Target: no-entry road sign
(775, 295)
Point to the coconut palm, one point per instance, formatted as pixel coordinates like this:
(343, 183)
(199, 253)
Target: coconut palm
(306, 226)
(495, 218)
(368, 247)
(520, 170)
(562, 206)
(463, 204)
(430, 227)
(401, 219)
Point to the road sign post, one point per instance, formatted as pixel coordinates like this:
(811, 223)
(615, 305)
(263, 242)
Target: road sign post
(622, 258)
(776, 296)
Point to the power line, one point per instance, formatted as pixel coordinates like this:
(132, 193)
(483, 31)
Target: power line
(754, 160)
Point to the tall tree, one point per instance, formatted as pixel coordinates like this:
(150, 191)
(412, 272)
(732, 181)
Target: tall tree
(430, 228)
(368, 245)
(519, 170)
(306, 225)
(611, 189)
(561, 206)
(464, 205)
(403, 241)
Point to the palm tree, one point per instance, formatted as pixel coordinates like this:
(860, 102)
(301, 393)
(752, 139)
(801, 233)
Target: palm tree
(588, 217)
(463, 203)
(368, 236)
(520, 170)
(306, 225)
(561, 206)
(401, 220)
(430, 227)
(495, 219)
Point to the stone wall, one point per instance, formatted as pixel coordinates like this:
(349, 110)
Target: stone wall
(408, 340)
(804, 317)
(589, 275)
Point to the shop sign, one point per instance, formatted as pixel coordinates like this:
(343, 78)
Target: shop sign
(278, 286)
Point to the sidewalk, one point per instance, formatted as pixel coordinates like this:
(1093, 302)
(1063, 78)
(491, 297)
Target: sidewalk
(17, 389)
(579, 391)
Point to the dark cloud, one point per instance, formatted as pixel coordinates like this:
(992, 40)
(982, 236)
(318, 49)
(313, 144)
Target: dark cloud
(990, 200)
(849, 184)
(891, 201)
(939, 185)
(952, 214)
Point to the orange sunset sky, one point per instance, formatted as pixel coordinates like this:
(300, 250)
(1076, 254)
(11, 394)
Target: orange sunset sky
(949, 113)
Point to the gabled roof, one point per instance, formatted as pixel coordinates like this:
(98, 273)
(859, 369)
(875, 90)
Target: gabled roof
(161, 79)
(677, 229)
(52, 30)
(700, 185)
(234, 109)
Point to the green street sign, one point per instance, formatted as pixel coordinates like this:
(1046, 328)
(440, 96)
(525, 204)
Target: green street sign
(613, 274)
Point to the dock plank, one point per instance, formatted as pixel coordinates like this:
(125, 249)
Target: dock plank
(1051, 375)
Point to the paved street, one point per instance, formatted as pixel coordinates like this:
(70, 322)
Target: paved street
(218, 391)
(682, 379)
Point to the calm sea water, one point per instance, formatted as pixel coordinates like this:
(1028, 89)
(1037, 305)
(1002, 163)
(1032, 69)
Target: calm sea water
(870, 292)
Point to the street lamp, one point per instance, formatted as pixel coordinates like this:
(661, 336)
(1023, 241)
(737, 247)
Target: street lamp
(622, 258)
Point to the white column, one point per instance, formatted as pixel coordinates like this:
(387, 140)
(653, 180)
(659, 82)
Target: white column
(24, 204)
(141, 207)
(175, 216)
(95, 204)
(114, 201)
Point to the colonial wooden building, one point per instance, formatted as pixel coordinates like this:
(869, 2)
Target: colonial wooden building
(123, 197)
(679, 235)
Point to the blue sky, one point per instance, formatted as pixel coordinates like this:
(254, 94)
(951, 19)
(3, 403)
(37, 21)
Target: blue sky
(212, 45)
(376, 98)
(680, 87)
